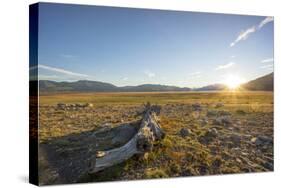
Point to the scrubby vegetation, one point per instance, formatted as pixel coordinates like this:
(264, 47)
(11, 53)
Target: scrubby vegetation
(206, 133)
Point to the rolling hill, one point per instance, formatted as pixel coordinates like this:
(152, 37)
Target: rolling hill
(46, 86)
(264, 83)
(213, 87)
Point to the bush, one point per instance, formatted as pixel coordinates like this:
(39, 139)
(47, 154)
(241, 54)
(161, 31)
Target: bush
(175, 168)
(167, 142)
(155, 173)
(240, 112)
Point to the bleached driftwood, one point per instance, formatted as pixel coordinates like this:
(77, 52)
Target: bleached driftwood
(149, 131)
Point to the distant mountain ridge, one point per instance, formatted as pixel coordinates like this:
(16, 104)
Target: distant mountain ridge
(46, 86)
(264, 83)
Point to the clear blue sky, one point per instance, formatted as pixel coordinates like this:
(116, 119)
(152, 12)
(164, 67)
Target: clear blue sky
(136, 46)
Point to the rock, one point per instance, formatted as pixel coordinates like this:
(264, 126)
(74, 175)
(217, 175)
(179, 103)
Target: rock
(90, 105)
(268, 165)
(235, 139)
(224, 120)
(196, 107)
(212, 113)
(71, 105)
(61, 106)
(204, 121)
(219, 105)
(261, 140)
(217, 163)
(251, 123)
(77, 105)
(254, 140)
(212, 132)
(209, 136)
(224, 113)
(238, 160)
(184, 132)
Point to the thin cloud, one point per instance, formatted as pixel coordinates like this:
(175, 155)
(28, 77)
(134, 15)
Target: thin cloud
(243, 35)
(265, 21)
(195, 75)
(269, 60)
(246, 33)
(149, 74)
(59, 70)
(225, 66)
(267, 66)
(47, 77)
(125, 78)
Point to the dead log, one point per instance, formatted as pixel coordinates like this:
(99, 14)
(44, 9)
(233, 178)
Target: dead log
(149, 131)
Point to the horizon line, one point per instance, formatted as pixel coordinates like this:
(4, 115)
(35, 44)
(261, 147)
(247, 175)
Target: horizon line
(149, 83)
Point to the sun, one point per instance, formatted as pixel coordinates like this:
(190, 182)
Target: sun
(233, 81)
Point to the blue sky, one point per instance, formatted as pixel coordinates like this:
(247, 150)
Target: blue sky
(136, 46)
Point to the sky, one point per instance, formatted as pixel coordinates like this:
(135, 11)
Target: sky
(140, 46)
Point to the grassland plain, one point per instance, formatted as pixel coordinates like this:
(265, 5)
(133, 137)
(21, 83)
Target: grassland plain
(206, 132)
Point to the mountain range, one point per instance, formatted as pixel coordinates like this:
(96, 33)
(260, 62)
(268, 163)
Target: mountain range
(264, 83)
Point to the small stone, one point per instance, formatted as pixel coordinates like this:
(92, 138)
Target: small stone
(100, 154)
(213, 131)
(204, 121)
(253, 140)
(224, 120)
(238, 160)
(184, 132)
(261, 140)
(236, 139)
(212, 113)
(196, 107)
(224, 113)
(209, 136)
(61, 106)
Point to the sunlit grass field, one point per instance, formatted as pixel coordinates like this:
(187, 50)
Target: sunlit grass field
(231, 150)
(230, 98)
